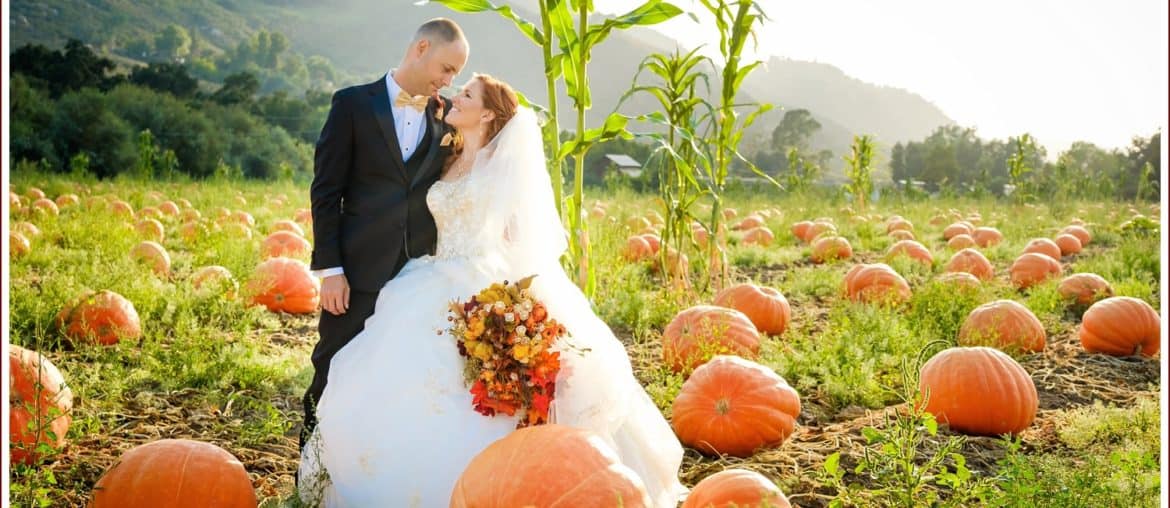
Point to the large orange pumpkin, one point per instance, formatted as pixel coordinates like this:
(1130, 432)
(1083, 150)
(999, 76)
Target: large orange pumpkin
(1005, 324)
(875, 283)
(637, 248)
(40, 405)
(961, 279)
(1068, 244)
(66, 200)
(153, 254)
(1084, 288)
(911, 249)
(979, 390)
(972, 262)
(104, 318)
(1043, 246)
(45, 205)
(654, 241)
(150, 229)
(1080, 232)
(734, 406)
(18, 245)
(961, 241)
(288, 225)
(749, 222)
(304, 216)
(764, 306)
(1033, 268)
(899, 224)
(1121, 326)
(175, 473)
(819, 228)
(831, 248)
(901, 234)
(169, 208)
(800, 229)
(553, 466)
(121, 208)
(956, 229)
(736, 488)
(987, 236)
(285, 243)
(761, 236)
(700, 332)
(285, 285)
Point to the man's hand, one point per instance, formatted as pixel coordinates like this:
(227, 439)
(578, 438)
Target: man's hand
(335, 294)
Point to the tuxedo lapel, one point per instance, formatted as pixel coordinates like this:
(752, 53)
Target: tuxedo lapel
(436, 128)
(385, 116)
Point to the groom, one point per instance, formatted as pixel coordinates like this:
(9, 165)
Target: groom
(378, 154)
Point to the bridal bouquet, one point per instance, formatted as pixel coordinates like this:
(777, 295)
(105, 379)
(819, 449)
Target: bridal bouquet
(506, 336)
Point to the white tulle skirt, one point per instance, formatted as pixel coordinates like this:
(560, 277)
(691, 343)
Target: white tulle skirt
(396, 425)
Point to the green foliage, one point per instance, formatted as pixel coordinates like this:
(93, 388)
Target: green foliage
(1020, 165)
(859, 170)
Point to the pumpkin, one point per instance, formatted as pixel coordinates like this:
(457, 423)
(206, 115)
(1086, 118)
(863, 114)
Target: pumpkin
(819, 228)
(46, 206)
(214, 280)
(1068, 244)
(35, 193)
(65, 200)
(978, 390)
(987, 236)
(1084, 288)
(938, 220)
(736, 488)
(597, 213)
(972, 262)
(700, 332)
(960, 242)
(1080, 232)
(154, 255)
(244, 218)
(176, 473)
(761, 236)
(655, 218)
(749, 222)
(190, 214)
(901, 234)
(764, 306)
(104, 318)
(284, 285)
(285, 243)
(637, 248)
(875, 283)
(237, 230)
(1043, 246)
(149, 212)
(1033, 268)
(1004, 324)
(1121, 326)
(831, 248)
(733, 406)
(654, 241)
(121, 208)
(169, 208)
(18, 244)
(304, 216)
(27, 229)
(700, 235)
(800, 229)
(40, 405)
(638, 223)
(912, 249)
(150, 229)
(899, 224)
(14, 201)
(221, 213)
(573, 467)
(962, 279)
(729, 213)
(192, 231)
(956, 229)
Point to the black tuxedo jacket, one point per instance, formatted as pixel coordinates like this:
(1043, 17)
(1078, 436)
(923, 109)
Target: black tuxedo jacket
(369, 207)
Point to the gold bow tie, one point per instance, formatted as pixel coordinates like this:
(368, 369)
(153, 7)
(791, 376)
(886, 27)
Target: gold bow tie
(418, 102)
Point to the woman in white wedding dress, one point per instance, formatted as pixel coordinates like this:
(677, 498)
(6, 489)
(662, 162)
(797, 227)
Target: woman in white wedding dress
(396, 423)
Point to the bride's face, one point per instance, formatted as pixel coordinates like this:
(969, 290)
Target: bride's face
(467, 111)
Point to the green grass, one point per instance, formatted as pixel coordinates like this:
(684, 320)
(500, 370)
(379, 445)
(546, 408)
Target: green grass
(236, 372)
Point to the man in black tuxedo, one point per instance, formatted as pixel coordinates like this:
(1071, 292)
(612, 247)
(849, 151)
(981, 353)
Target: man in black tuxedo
(378, 154)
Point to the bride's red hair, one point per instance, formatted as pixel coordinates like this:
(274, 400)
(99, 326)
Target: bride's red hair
(499, 98)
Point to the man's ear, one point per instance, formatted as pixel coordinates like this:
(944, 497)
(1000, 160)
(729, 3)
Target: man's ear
(421, 47)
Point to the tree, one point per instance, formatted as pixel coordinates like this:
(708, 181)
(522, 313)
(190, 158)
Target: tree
(238, 88)
(166, 77)
(75, 68)
(794, 131)
(898, 164)
(174, 43)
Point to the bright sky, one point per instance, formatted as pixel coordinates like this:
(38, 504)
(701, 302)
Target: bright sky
(1063, 70)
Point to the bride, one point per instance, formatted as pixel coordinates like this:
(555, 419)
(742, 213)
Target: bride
(396, 422)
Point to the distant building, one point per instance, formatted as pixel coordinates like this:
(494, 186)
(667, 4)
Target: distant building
(624, 163)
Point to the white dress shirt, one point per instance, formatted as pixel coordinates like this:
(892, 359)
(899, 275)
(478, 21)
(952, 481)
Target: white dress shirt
(409, 125)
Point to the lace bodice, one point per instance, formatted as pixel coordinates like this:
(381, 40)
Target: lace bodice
(452, 204)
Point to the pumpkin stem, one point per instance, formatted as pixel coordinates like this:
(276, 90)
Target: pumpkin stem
(722, 406)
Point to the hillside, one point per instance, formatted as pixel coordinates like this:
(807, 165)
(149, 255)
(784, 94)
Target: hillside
(365, 38)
